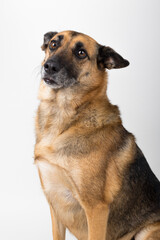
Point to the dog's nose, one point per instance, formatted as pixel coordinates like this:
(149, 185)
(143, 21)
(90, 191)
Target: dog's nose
(51, 67)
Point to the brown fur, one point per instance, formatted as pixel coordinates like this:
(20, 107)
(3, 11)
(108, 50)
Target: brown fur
(82, 150)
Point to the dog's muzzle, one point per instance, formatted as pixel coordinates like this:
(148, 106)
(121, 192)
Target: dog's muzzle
(57, 74)
(49, 73)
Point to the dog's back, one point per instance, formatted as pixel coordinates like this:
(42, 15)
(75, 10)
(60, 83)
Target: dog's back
(137, 205)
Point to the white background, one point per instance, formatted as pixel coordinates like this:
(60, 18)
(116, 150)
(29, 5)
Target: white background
(132, 28)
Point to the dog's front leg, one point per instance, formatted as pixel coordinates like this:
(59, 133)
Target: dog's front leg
(97, 218)
(58, 228)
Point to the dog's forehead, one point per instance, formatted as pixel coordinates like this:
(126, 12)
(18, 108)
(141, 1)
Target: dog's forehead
(72, 38)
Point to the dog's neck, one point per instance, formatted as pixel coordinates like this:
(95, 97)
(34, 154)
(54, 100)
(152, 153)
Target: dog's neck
(73, 97)
(65, 106)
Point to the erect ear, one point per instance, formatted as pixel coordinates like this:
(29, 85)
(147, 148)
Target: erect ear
(108, 58)
(47, 38)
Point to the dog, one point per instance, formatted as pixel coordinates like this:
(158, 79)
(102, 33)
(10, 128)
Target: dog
(96, 179)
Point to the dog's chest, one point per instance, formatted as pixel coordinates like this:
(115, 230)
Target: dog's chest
(59, 191)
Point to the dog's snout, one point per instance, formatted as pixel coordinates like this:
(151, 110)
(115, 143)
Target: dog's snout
(51, 67)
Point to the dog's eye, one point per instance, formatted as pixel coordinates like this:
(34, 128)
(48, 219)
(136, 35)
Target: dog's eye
(82, 53)
(53, 45)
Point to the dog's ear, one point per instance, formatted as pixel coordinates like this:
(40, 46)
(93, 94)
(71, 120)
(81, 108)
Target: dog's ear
(108, 58)
(47, 38)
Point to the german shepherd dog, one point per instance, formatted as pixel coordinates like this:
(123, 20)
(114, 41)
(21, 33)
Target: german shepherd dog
(95, 178)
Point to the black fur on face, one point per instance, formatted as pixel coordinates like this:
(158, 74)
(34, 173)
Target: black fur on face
(47, 38)
(57, 71)
(109, 58)
(60, 69)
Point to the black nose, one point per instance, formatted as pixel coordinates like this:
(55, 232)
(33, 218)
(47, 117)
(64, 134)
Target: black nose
(51, 67)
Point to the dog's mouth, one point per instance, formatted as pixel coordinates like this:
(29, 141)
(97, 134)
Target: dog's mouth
(49, 81)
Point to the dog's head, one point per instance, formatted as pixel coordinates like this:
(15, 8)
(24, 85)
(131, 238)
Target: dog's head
(73, 58)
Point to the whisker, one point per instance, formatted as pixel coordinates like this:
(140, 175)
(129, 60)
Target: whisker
(37, 72)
